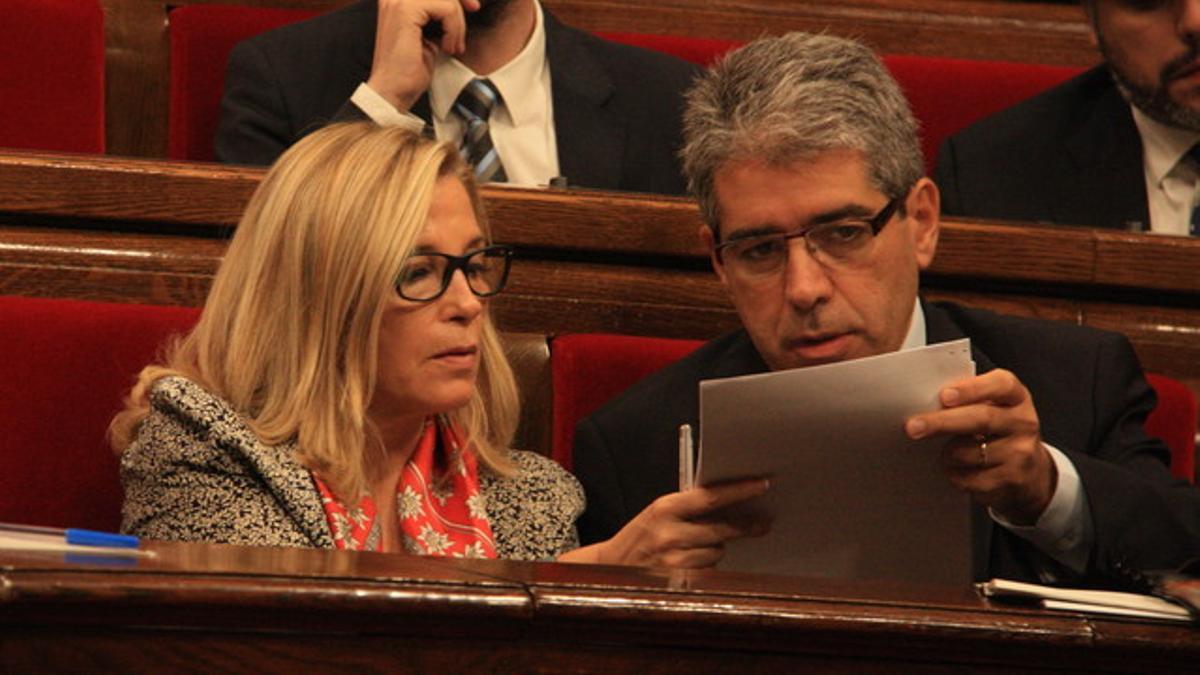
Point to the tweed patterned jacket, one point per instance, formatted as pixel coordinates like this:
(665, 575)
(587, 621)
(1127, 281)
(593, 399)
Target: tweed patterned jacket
(196, 472)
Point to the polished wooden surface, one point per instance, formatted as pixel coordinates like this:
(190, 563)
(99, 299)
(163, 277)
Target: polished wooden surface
(137, 38)
(145, 231)
(200, 607)
(1031, 32)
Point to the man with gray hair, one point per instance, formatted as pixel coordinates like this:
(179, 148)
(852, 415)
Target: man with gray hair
(804, 157)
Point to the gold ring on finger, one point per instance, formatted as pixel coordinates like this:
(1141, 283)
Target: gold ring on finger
(982, 440)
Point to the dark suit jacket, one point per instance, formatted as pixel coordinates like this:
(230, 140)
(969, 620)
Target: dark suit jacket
(1091, 400)
(1071, 155)
(617, 108)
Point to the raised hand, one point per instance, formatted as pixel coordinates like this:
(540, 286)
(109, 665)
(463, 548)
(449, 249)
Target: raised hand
(994, 449)
(403, 62)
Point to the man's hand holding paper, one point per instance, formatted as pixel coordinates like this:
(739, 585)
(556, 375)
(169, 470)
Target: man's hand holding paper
(852, 494)
(994, 450)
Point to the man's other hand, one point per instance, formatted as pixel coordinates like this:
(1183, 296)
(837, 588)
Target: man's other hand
(994, 448)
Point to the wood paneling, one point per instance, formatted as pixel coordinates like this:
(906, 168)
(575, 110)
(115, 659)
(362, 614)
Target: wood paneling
(1029, 32)
(589, 261)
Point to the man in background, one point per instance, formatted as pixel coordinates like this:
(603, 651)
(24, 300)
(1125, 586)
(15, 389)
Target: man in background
(1113, 147)
(528, 99)
(803, 155)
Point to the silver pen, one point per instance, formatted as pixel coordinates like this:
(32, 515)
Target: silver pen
(687, 459)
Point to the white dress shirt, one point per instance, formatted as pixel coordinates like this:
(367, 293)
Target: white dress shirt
(1064, 530)
(1172, 182)
(522, 123)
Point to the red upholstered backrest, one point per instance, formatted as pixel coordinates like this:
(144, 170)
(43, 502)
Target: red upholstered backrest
(947, 95)
(700, 51)
(67, 364)
(201, 39)
(52, 75)
(1174, 421)
(590, 369)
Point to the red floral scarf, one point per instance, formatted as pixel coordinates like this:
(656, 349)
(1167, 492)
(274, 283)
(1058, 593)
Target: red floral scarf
(438, 503)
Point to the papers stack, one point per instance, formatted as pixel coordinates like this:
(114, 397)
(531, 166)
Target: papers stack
(1087, 601)
(851, 495)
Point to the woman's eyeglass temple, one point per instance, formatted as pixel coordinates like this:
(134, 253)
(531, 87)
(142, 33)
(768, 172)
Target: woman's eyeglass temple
(424, 277)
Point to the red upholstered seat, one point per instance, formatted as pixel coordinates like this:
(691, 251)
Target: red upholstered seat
(201, 39)
(52, 75)
(590, 369)
(947, 95)
(700, 51)
(1174, 421)
(66, 365)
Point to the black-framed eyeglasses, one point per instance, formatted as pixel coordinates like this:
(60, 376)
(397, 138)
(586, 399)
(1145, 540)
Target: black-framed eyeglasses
(426, 276)
(839, 242)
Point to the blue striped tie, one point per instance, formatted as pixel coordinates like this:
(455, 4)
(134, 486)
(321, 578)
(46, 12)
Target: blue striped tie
(474, 105)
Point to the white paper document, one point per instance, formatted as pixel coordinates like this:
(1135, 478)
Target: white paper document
(851, 496)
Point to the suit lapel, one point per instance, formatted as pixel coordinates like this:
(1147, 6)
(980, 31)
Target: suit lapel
(293, 486)
(274, 466)
(289, 482)
(1104, 155)
(940, 327)
(590, 137)
(741, 358)
(364, 50)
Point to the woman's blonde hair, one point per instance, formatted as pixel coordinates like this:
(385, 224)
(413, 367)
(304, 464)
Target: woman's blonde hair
(289, 332)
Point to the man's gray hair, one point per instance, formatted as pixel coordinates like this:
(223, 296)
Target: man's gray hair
(789, 98)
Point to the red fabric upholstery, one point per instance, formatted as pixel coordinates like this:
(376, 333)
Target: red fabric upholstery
(590, 369)
(52, 75)
(66, 365)
(947, 95)
(1174, 421)
(700, 51)
(201, 39)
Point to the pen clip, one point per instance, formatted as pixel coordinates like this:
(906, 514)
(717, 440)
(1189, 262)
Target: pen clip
(687, 459)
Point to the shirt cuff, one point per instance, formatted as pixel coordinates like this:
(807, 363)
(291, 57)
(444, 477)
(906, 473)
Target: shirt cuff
(383, 113)
(1064, 530)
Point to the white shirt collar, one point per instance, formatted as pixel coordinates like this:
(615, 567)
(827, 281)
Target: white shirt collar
(1163, 146)
(916, 328)
(450, 76)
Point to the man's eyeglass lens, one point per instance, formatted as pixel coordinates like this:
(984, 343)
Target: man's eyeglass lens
(839, 242)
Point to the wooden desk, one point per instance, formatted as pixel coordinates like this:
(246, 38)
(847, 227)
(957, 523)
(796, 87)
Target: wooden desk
(231, 609)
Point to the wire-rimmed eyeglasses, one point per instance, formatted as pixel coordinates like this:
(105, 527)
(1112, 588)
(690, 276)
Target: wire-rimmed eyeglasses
(837, 242)
(426, 276)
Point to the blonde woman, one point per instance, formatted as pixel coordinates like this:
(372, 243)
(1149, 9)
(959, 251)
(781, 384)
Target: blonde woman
(344, 387)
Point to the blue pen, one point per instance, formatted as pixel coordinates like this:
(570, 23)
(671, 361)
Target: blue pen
(76, 536)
